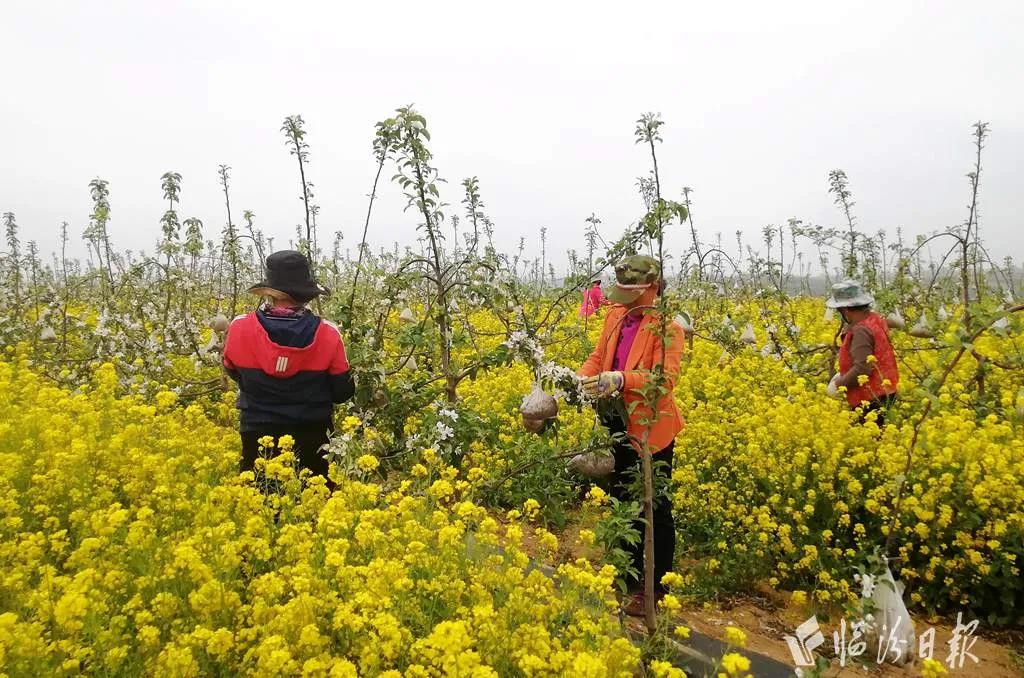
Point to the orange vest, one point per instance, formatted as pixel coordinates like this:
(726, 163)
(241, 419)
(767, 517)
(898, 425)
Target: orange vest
(883, 369)
(646, 352)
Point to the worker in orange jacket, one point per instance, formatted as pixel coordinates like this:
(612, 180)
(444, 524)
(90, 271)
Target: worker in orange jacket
(621, 363)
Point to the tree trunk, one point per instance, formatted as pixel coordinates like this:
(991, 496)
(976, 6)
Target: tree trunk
(650, 614)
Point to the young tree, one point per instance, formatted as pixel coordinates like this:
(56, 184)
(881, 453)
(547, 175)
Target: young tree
(693, 233)
(383, 148)
(839, 187)
(170, 182)
(652, 227)
(969, 243)
(193, 242)
(13, 258)
(230, 248)
(474, 208)
(591, 237)
(294, 128)
(96, 234)
(419, 179)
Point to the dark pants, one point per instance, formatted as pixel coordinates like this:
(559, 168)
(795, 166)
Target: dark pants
(309, 438)
(880, 405)
(627, 470)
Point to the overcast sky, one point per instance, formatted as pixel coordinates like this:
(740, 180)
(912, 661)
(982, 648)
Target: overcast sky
(538, 100)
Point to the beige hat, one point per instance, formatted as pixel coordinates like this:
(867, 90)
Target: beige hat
(847, 294)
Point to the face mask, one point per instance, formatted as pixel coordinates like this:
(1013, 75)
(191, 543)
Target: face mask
(645, 299)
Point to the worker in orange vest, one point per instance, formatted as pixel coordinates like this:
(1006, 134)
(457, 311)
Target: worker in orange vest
(621, 363)
(867, 362)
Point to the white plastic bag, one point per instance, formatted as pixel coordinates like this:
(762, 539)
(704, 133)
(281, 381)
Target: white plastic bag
(213, 345)
(921, 329)
(895, 320)
(832, 387)
(890, 631)
(219, 323)
(748, 337)
(685, 322)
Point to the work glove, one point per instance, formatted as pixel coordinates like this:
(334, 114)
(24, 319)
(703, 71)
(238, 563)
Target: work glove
(604, 384)
(832, 387)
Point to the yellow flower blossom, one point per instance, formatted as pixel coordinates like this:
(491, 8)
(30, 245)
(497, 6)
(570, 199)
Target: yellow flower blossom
(932, 668)
(367, 463)
(735, 664)
(735, 636)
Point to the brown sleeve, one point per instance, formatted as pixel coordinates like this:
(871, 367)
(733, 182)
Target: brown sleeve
(862, 344)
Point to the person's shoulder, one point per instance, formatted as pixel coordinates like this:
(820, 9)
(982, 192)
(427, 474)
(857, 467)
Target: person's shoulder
(615, 313)
(673, 328)
(330, 327)
(862, 331)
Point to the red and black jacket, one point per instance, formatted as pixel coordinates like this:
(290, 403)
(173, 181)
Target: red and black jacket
(289, 370)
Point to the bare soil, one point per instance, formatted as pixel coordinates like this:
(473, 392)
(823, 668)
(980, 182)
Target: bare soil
(768, 618)
(769, 615)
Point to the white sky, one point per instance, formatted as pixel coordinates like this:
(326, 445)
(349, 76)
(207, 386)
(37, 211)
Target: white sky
(538, 100)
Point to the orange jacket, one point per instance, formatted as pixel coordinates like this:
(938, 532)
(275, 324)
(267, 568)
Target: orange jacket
(645, 353)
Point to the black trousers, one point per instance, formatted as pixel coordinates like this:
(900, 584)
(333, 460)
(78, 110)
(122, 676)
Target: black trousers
(309, 438)
(627, 471)
(880, 405)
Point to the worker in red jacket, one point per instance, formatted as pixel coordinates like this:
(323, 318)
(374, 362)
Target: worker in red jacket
(289, 363)
(867, 362)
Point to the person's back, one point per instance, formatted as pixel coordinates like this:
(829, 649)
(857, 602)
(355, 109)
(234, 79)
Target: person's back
(290, 366)
(593, 299)
(866, 351)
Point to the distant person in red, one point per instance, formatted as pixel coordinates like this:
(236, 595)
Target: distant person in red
(867, 362)
(593, 299)
(289, 363)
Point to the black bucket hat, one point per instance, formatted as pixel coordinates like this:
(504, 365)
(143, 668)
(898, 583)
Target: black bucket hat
(288, 274)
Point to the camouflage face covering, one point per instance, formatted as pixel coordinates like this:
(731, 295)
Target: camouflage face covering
(633, 276)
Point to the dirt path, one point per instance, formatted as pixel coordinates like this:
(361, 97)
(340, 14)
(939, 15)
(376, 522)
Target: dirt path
(1000, 655)
(768, 617)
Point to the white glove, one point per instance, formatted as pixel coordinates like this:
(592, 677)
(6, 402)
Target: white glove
(603, 384)
(832, 387)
